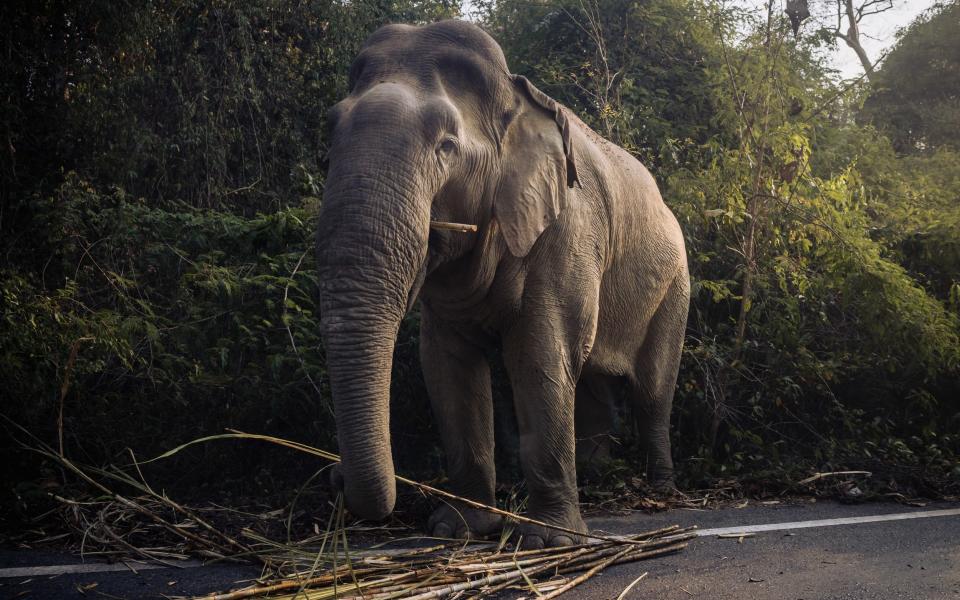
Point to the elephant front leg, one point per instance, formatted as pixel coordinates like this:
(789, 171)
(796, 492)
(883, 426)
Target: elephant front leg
(544, 389)
(458, 382)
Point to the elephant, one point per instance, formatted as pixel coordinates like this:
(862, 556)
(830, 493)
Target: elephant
(577, 272)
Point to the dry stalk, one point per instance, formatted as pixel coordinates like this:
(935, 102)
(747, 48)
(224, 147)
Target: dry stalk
(631, 557)
(627, 589)
(817, 476)
(138, 551)
(263, 590)
(163, 499)
(510, 577)
(204, 543)
(593, 571)
(573, 564)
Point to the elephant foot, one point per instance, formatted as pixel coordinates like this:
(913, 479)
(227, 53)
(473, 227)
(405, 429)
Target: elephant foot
(532, 537)
(661, 481)
(462, 522)
(665, 487)
(666, 490)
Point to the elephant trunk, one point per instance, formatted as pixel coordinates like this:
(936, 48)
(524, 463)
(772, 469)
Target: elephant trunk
(359, 357)
(371, 245)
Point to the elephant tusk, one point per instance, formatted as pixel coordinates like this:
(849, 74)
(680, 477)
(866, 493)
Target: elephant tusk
(461, 227)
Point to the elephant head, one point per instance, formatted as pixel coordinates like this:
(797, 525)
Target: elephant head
(434, 127)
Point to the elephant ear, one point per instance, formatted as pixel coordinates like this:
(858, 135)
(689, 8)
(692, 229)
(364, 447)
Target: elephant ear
(537, 168)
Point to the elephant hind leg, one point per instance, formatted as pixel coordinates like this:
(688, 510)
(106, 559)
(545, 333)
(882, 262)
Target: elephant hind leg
(595, 417)
(655, 379)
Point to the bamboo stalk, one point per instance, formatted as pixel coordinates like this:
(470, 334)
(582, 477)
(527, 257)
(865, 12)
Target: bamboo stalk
(286, 585)
(634, 557)
(437, 580)
(502, 559)
(461, 227)
(593, 571)
(568, 558)
(597, 550)
(501, 578)
(636, 539)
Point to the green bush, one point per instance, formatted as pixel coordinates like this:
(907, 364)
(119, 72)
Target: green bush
(159, 208)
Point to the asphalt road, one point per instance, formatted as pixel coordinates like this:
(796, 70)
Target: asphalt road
(916, 558)
(905, 559)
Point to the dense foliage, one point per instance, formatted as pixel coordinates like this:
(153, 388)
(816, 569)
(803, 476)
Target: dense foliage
(919, 108)
(163, 165)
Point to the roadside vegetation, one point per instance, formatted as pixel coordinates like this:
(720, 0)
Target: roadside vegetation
(162, 164)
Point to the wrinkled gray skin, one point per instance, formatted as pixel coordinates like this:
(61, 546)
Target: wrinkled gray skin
(578, 270)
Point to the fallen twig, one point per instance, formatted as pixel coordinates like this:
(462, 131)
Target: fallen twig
(817, 476)
(627, 589)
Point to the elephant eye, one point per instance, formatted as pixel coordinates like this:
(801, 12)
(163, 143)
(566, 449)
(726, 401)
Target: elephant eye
(446, 147)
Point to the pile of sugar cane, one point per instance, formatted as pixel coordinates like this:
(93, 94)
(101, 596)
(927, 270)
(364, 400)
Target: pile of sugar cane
(453, 570)
(323, 566)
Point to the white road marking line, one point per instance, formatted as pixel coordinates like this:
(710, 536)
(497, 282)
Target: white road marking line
(830, 522)
(85, 568)
(106, 568)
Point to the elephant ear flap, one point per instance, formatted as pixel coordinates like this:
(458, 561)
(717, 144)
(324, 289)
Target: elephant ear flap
(559, 117)
(538, 166)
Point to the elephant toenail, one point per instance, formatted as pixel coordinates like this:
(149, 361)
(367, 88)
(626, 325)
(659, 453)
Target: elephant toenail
(561, 540)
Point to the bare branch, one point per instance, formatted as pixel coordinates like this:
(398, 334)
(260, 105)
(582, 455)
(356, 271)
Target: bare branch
(853, 12)
(881, 6)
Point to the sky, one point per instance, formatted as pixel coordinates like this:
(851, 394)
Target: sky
(878, 32)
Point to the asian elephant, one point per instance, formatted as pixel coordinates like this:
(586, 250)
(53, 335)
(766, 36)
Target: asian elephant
(578, 270)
